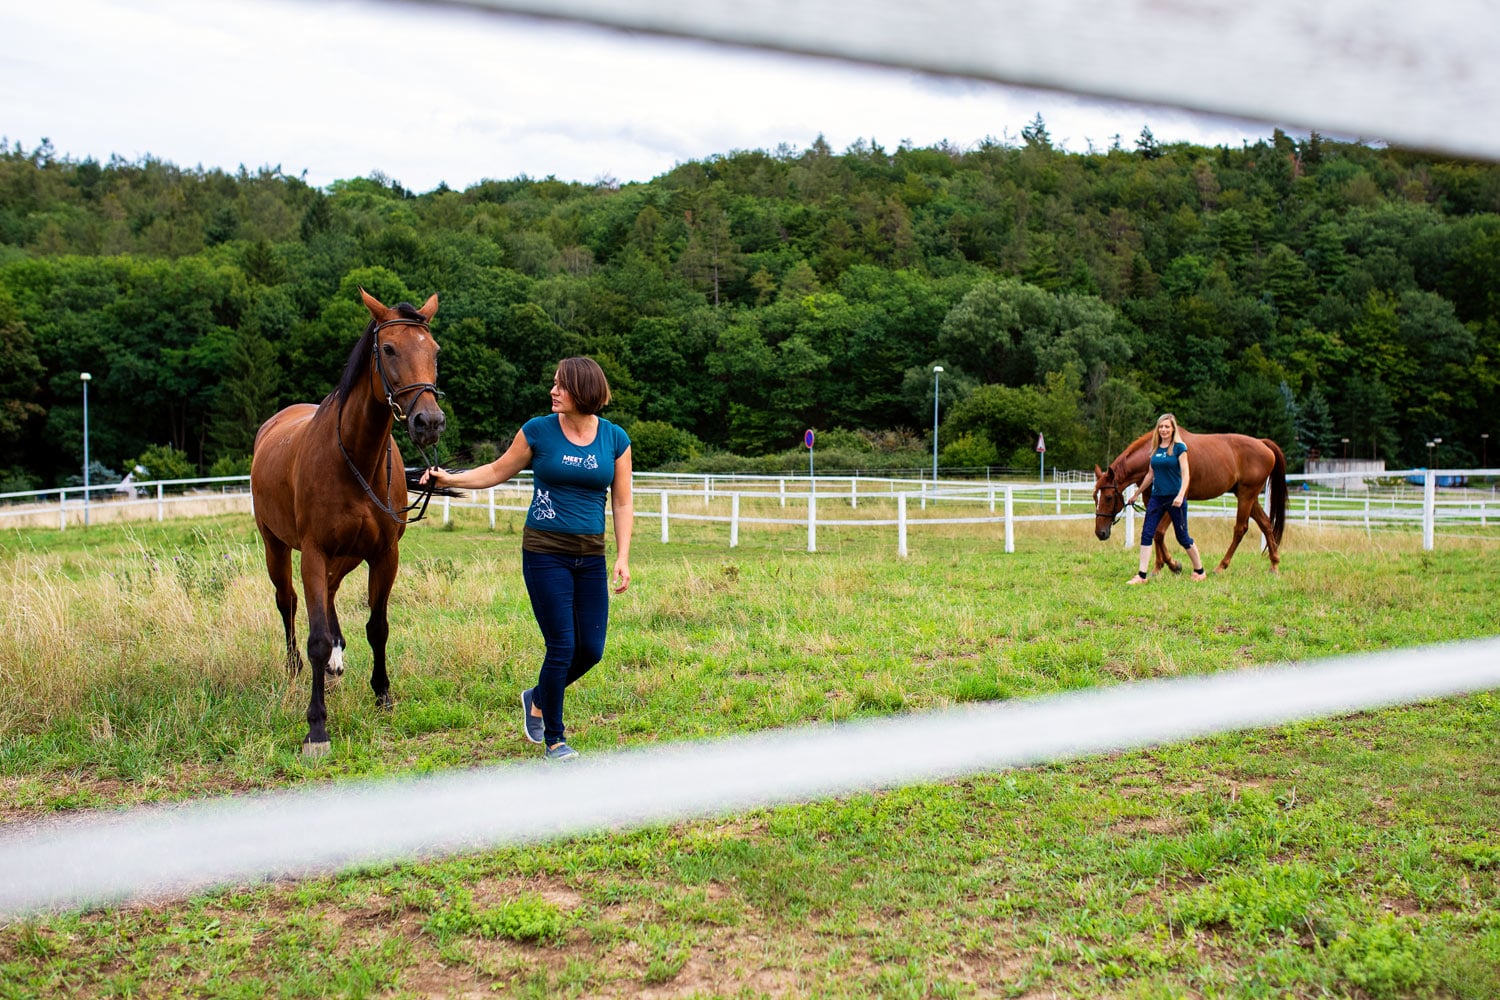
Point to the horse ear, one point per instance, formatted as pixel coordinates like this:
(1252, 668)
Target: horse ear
(376, 307)
(429, 308)
(1097, 471)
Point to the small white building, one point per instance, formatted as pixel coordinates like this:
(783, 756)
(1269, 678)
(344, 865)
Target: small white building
(1347, 483)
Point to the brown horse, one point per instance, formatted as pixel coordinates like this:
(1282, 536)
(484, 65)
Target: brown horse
(322, 482)
(1218, 464)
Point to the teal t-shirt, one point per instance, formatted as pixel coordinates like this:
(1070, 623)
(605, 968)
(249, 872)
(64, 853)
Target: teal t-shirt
(571, 480)
(1166, 472)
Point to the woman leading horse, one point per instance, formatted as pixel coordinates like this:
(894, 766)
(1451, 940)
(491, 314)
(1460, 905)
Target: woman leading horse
(1221, 463)
(329, 481)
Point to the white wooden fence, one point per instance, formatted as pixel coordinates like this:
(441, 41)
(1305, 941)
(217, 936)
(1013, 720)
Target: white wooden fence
(793, 500)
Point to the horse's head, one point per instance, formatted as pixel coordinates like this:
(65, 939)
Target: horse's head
(1109, 501)
(403, 369)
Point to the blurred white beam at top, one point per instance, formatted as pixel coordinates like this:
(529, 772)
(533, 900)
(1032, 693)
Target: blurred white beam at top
(1423, 75)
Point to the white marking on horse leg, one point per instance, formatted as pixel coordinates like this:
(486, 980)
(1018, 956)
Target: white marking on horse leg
(336, 661)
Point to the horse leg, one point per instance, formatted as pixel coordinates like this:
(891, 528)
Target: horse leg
(279, 569)
(1241, 524)
(1263, 521)
(319, 646)
(1163, 557)
(377, 629)
(336, 573)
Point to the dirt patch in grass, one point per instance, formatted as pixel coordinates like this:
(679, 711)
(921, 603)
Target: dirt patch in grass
(1157, 825)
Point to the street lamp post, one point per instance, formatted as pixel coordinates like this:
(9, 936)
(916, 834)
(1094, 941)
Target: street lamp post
(1346, 448)
(937, 371)
(84, 377)
(1484, 451)
(1430, 446)
(1436, 441)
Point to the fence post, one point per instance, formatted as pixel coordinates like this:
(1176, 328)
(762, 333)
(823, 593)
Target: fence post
(853, 491)
(1059, 496)
(445, 509)
(707, 490)
(492, 508)
(161, 507)
(62, 510)
(782, 485)
(812, 522)
(734, 520)
(664, 516)
(1010, 528)
(992, 490)
(901, 525)
(1429, 507)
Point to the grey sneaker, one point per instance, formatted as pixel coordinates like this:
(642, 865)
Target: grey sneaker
(531, 725)
(561, 751)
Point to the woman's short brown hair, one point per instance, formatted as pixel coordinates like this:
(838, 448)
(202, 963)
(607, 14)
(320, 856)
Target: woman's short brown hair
(584, 380)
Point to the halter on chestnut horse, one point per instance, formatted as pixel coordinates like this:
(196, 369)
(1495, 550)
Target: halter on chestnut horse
(323, 482)
(1220, 463)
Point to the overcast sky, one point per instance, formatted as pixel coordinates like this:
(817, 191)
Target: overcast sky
(428, 94)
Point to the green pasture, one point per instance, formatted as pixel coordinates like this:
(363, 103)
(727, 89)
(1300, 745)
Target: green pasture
(1352, 857)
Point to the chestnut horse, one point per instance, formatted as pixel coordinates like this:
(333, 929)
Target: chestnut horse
(322, 482)
(1217, 464)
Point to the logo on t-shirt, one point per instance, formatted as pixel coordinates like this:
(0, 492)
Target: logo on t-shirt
(573, 461)
(542, 509)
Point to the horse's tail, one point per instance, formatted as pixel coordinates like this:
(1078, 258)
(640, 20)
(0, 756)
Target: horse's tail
(1278, 490)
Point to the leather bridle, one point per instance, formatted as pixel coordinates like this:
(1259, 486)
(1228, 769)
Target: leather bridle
(1123, 505)
(393, 395)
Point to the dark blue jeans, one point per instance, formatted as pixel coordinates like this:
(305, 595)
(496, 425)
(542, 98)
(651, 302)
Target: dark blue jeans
(1157, 506)
(570, 598)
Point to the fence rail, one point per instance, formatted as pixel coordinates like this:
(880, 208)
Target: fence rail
(1393, 502)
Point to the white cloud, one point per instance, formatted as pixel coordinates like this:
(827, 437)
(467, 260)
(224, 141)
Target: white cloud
(427, 94)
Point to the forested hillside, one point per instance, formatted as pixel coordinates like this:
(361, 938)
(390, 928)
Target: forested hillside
(1307, 291)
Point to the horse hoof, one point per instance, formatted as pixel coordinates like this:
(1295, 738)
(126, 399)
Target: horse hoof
(385, 701)
(314, 751)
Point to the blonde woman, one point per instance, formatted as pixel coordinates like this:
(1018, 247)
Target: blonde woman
(1166, 487)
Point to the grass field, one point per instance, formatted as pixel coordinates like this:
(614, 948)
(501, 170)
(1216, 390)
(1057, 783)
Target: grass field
(1351, 857)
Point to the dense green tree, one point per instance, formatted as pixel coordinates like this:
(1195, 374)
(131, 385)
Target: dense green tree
(746, 296)
(1007, 417)
(21, 375)
(1314, 428)
(1118, 413)
(992, 332)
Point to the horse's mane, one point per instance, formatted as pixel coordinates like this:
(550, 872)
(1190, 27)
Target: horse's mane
(359, 358)
(1131, 447)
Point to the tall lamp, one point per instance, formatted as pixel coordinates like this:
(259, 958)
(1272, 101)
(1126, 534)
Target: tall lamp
(937, 371)
(85, 377)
